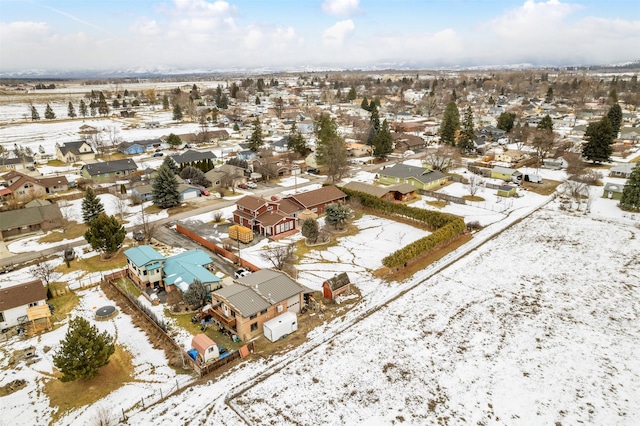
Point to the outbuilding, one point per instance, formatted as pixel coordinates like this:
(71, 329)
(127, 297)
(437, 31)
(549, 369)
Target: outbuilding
(207, 349)
(281, 326)
(335, 286)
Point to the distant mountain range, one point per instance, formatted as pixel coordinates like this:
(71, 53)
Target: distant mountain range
(159, 72)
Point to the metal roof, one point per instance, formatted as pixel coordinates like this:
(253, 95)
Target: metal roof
(141, 255)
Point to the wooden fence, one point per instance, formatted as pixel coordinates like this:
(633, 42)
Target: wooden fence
(203, 370)
(440, 196)
(215, 248)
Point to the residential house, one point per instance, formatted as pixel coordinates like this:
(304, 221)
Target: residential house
(28, 220)
(187, 192)
(336, 286)
(512, 156)
(622, 170)
(15, 301)
(85, 129)
(401, 192)
(358, 149)
(418, 177)
(17, 163)
(131, 148)
(109, 170)
(555, 163)
(612, 191)
(191, 157)
(318, 199)
(226, 174)
(263, 216)
(149, 269)
(23, 186)
(246, 305)
(74, 152)
(405, 142)
(491, 132)
(504, 173)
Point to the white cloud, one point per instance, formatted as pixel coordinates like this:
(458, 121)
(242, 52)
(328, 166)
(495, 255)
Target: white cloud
(341, 7)
(338, 32)
(145, 27)
(23, 31)
(203, 8)
(253, 39)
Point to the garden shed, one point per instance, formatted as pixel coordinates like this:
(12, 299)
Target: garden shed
(207, 349)
(507, 191)
(335, 286)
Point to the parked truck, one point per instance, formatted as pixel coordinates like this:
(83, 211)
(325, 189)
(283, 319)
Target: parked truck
(280, 326)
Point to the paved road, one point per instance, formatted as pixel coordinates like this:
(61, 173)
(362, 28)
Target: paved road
(266, 190)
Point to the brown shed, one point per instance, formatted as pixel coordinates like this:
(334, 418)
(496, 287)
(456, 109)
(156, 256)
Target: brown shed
(335, 286)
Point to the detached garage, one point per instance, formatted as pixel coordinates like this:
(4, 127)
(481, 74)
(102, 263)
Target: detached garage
(188, 192)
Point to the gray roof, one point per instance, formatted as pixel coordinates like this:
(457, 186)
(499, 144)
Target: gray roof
(29, 216)
(191, 155)
(376, 191)
(504, 170)
(95, 169)
(259, 290)
(404, 171)
(626, 168)
(74, 148)
(613, 187)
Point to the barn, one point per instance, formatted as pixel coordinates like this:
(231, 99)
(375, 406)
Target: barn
(335, 286)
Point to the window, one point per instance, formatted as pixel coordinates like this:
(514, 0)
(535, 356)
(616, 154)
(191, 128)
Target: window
(254, 316)
(144, 272)
(32, 304)
(1, 317)
(263, 312)
(254, 326)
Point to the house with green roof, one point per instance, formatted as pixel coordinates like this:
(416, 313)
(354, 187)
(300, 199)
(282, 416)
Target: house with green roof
(418, 177)
(149, 269)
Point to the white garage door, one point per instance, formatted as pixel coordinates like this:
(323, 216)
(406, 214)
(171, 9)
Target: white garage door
(190, 194)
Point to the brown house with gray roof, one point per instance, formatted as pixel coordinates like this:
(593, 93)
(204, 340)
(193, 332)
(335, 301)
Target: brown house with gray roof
(28, 220)
(15, 301)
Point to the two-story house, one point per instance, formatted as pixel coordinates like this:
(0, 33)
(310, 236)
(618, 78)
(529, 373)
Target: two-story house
(73, 152)
(15, 301)
(419, 177)
(23, 186)
(262, 216)
(109, 170)
(246, 305)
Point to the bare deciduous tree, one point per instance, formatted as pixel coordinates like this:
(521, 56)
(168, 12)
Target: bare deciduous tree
(442, 158)
(281, 257)
(104, 417)
(474, 183)
(43, 271)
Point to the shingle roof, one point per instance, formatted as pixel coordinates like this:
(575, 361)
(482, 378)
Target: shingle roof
(251, 202)
(376, 191)
(95, 169)
(319, 196)
(191, 155)
(74, 148)
(21, 294)
(404, 171)
(338, 281)
(28, 216)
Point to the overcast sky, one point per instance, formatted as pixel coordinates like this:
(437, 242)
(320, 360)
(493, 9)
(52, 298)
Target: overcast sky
(55, 35)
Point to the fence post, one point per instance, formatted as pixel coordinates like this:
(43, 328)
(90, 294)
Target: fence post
(124, 417)
(142, 400)
(177, 386)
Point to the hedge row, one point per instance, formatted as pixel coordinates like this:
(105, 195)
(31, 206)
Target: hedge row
(445, 227)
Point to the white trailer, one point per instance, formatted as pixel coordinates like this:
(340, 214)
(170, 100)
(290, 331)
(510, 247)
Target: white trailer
(533, 178)
(280, 326)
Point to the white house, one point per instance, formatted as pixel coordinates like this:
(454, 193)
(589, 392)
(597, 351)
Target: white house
(15, 300)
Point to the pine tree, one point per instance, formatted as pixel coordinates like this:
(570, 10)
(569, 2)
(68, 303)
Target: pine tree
(615, 117)
(630, 200)
(196, 294)
(450, 124)
(83, 351)
(383, 142)
(257, 100)
(93, 107)
(374, 123)
(506, 121)
(352, 95)
(256, 141)
(105, 234)
(310, 229)
(177, 112)
(35, 116)
(71, 111)
(337, 215)
(331, 151)
(599, 138)
(91, 206)
(365, 104)
(103, 107)
(546, 123)
(48, 113)
(165, 188)
(296, 141)
(83, 108)
(165, 102)
(173, 140)
(467, 134)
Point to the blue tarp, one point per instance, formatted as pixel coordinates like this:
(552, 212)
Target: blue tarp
(193, 353)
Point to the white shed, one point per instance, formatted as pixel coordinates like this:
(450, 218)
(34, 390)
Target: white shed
(207, 348)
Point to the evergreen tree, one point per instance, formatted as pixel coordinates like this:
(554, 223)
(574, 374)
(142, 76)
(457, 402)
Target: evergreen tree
(506, 121)
(105, 234)
(310, 229)
(103, 107)
(450, 124)
(383, 142)
(374, 123)
(615, 117)
(352, 95)
(224, 102)
(83, 108)
(35, 116)
(337, 215)
(173, 140)
(91, 206)
(630, 200)
(93, 108)
(331, 151)
(71, 111)
(195, 175)
(196, 294)
(365, 104)
(165, 102)
(467, 133)
(177, 112)
(296, 141)
(257, 100)
(83, 351)
(546, 123)
(599, 138)
(256, 141)
(116, 103)
(236, 128)
(48, 113)
(165, 188)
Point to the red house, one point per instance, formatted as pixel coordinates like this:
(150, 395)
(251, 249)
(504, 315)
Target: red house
(263, 216)
(317, 200)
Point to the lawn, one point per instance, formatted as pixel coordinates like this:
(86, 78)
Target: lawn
(94, 264)
(71, 231)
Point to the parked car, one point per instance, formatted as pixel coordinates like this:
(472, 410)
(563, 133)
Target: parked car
(158, 154)
(205, 192)
(252, 185)
(243, 272)
(313, 171)
(243, 186)
(275, 198)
